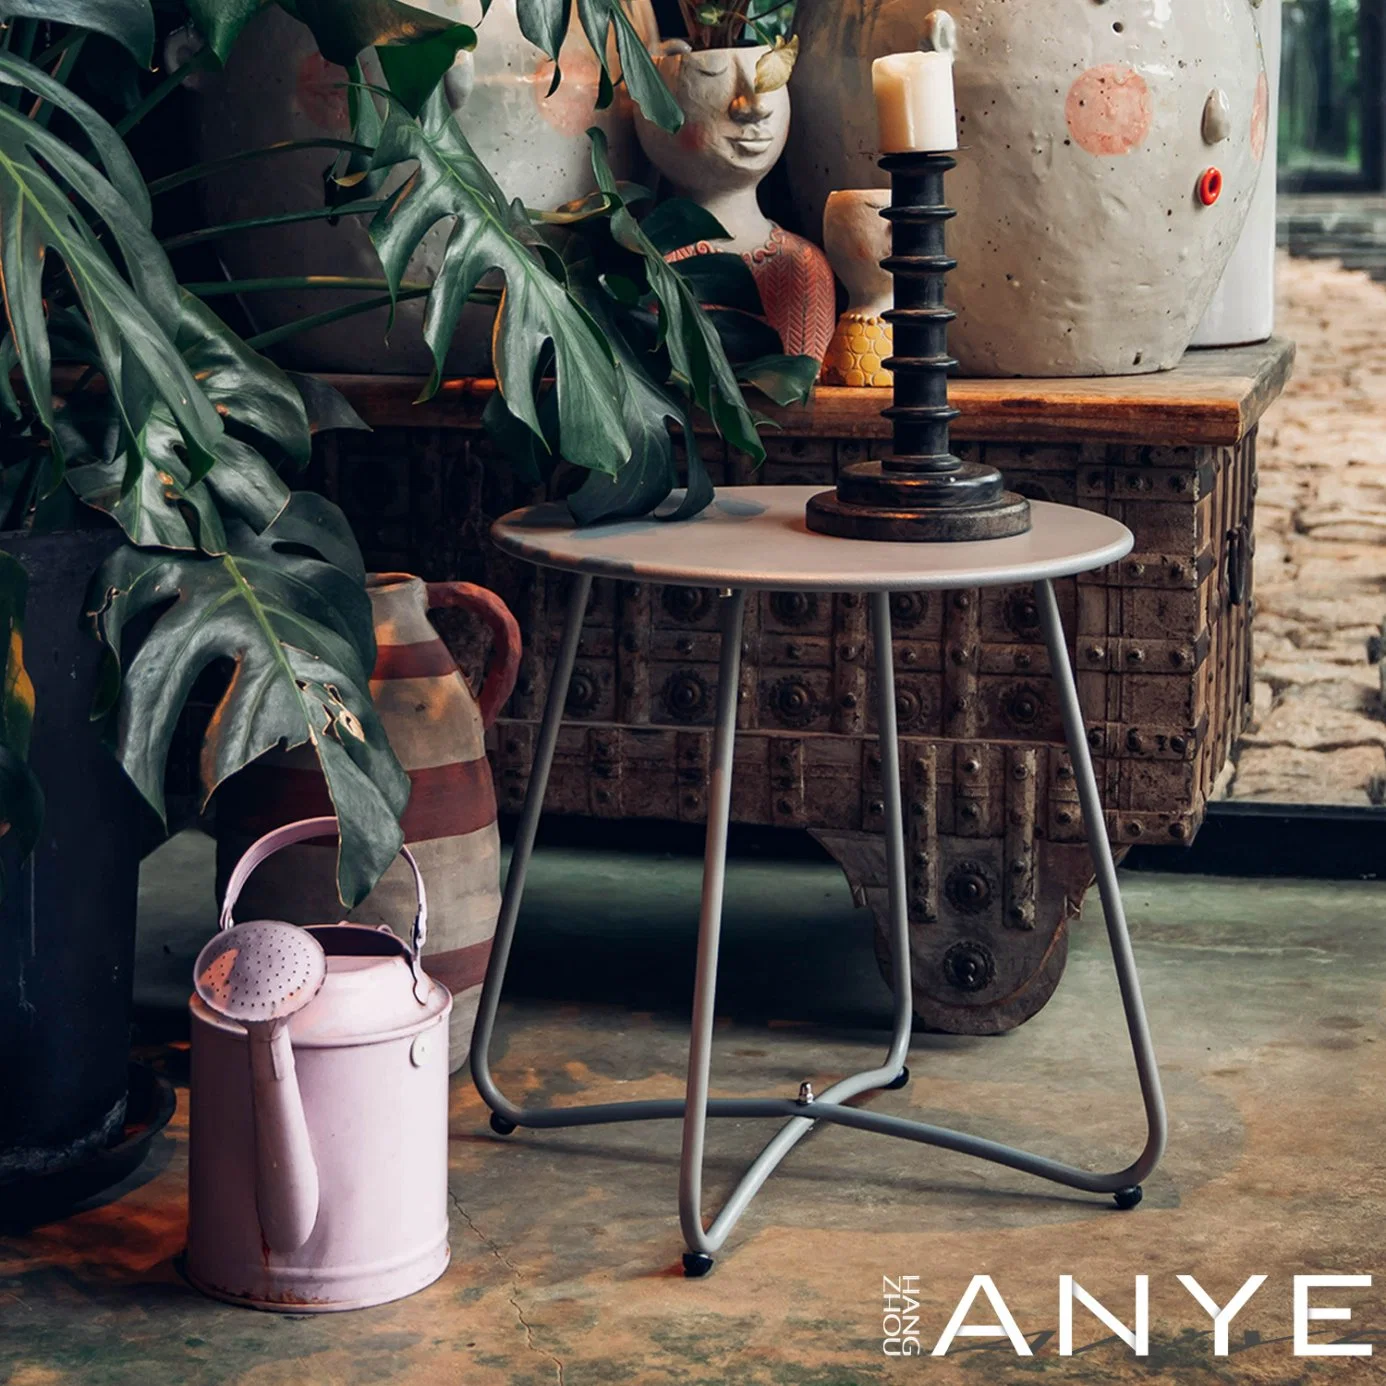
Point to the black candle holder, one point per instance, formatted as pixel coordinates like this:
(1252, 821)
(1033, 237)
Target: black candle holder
(919, 491)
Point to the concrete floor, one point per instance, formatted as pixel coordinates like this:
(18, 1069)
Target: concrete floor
(1266, 1003)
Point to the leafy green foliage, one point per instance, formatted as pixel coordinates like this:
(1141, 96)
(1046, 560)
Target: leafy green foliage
(21, 799)
(415, 47)
(536, 311)
(343, 28)
(178, 432)
(545, 24)
(646, 87)
(652, 472)
(413, 70)
(695, 351)
(129, 22)
(672, 354)
(265, 421)
(131, 318)
(713, 25)
(220, 21)
(288, 609)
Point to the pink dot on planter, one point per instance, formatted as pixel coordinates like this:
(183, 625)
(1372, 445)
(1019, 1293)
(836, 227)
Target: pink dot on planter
(1109, 109)
(1260, 117)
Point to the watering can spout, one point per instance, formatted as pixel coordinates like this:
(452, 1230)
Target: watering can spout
(286, 1174)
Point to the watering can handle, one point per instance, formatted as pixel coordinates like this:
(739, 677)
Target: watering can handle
(302, 831)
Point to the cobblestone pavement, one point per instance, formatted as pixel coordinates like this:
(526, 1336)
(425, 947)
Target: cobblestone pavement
(1319, 735)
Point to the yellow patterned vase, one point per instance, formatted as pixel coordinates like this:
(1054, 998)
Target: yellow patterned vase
(857, 353)
(857, 238)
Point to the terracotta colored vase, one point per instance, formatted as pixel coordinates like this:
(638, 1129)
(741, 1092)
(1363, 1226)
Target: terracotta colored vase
(437, 728)
(1098, 204)
(731, 138)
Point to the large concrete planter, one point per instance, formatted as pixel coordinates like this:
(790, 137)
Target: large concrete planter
(67, 919)
(277, 87)
(1084, 245)
(1243, 309)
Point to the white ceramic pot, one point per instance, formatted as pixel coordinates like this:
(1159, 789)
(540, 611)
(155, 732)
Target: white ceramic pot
(857, 238)
(1083, 243)
(277, 87)
(1243, 309)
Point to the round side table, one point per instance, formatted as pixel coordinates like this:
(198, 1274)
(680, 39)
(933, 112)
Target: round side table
(754, 537)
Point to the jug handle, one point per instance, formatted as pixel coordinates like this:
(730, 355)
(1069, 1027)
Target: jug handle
(507, 649)
(302, 831)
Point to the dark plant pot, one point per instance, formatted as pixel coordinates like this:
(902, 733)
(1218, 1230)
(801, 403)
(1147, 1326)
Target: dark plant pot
(67, 920)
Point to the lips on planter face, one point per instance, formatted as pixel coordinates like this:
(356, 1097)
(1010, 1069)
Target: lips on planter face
(732, 135)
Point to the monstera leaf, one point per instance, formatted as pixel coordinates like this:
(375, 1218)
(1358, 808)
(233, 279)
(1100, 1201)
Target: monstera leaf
(685, 331)
(132, 321)
(415, 47)
(672, 353)
(263, 412)
(21, 800)
(545, 24)
(536, 309)
(288, 610)
(650, 407)
(129, 22)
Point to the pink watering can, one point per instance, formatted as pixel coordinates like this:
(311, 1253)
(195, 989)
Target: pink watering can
(318, 1146)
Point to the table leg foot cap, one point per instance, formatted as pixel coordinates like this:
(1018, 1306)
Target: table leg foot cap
(696, 1264)
(899, 1080)
(500, 1125)
(1127, 1199)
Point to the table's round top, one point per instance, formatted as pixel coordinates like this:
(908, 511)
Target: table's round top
(755, 536)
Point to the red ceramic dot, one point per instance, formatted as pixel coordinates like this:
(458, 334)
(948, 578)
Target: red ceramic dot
(1210, 186)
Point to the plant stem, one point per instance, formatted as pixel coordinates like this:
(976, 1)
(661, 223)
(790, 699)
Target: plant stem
(11, 31)
(212, 233)
(278, 334)
(217, 288)
(40, 111)
(60, 46)
(175, 79)
(205, 170)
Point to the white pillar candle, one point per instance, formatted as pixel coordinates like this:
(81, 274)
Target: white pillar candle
(914, 102)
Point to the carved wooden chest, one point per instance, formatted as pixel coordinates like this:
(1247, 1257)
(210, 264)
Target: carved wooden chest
(1162, 643)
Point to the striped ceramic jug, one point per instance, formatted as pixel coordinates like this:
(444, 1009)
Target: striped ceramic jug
(437, 730)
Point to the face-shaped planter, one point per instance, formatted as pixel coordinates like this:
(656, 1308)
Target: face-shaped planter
(731, 137)
(1097, 206)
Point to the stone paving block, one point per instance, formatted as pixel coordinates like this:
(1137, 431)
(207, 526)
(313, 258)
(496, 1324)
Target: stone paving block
(1280, 775)
(1321, 548)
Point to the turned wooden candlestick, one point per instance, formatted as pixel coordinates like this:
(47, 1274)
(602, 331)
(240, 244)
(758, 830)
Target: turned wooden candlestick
(919, 491)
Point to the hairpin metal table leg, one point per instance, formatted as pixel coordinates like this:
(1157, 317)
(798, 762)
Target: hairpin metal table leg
(698, 1260)
(704, 1242)
(504, 1114)
(1108, 888)
(696, 1107)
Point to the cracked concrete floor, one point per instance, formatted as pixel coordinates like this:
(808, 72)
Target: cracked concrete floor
(1266, 1003)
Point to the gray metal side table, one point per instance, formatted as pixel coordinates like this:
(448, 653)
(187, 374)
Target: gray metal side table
(754, 537)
